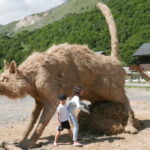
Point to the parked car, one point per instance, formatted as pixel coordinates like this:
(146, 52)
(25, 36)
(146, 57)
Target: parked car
(138, 80)
(143, 80)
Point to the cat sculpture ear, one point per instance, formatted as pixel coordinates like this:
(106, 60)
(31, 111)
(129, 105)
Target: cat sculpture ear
(13, 67)
(6, 64)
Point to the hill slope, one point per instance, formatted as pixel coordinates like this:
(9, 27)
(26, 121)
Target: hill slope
(132, 19)
(70, 7)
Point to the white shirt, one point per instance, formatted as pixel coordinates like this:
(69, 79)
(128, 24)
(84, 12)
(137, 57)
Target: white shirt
(75, 103)
(63, 112)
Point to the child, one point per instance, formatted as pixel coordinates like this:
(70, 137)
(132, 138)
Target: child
(73, 104)
(63, 118)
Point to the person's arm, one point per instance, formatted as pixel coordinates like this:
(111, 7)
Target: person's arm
(86, 104)
(79, 106)
(58, 117)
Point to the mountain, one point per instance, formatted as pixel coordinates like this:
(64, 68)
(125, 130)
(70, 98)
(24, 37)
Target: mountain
(36, 21)
(88, 27)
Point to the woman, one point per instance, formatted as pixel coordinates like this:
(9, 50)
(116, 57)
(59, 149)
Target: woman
(73, 104)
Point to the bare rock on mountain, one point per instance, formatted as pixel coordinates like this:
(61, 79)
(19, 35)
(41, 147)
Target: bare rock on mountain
(30, 20)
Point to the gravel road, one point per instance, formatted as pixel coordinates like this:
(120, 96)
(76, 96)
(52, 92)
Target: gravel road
(19, 110)
(12, 111)
(14, 115)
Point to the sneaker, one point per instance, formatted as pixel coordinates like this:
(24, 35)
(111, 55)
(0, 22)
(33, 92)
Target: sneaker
(78, 144)
(55, 144)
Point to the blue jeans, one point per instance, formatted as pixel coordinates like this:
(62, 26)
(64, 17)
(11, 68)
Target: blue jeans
(76, 126)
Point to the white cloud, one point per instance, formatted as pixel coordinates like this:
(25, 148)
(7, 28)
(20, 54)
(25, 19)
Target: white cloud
(11, 10)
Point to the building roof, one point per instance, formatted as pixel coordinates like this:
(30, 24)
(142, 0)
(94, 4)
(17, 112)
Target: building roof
(143, 50)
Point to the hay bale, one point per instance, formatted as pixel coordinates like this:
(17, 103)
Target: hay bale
(105, 118)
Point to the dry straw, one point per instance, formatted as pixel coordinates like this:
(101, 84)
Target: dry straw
(105, 118)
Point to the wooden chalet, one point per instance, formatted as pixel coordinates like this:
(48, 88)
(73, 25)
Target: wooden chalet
(143, 54)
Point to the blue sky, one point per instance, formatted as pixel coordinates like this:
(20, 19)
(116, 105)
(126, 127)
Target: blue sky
(11, 10)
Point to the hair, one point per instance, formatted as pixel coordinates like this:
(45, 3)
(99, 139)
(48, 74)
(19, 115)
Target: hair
(76, 91)
(62, 97)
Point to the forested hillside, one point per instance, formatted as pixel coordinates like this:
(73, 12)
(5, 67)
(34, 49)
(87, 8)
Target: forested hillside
(132, 19)
(57, 13)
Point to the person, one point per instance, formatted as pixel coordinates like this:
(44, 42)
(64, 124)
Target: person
(63, 118)
(73, 104)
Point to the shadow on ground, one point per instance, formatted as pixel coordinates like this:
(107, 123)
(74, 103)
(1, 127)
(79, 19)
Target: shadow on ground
(66, 140)
(145, 124)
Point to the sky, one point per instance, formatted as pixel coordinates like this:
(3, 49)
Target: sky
(12, 10)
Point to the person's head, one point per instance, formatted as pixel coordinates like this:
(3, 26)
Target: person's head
(62, 98)
(77, 90)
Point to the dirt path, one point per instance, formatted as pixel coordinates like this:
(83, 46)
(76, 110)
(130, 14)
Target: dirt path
(14, 117)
